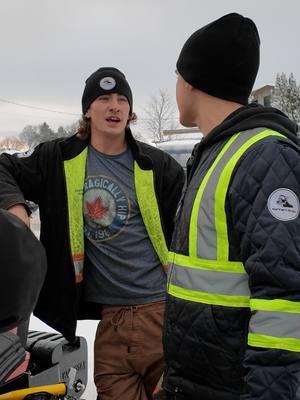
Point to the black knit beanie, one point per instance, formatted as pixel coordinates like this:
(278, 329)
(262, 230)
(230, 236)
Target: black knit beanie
(105, 80)
(222, 58)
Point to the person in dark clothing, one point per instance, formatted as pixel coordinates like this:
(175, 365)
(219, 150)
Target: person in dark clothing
(23, 270)
(232, 319)
(107, 204)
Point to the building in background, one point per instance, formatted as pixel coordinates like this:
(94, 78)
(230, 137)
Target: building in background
(263, 95)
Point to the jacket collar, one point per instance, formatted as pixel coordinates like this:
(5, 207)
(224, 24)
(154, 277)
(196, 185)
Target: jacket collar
(74, 145)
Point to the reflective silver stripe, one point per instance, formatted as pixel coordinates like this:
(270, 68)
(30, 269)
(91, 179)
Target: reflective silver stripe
(207, 235)
(279, 324)
(227, 283)
(78, 265)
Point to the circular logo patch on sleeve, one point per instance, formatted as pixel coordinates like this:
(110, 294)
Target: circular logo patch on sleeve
(107, 83)
(283, 204)
(25, 154)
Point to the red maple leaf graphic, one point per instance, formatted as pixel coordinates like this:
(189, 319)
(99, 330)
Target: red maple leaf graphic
(96, 209)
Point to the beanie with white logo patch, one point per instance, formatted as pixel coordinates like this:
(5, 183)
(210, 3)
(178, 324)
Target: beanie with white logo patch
(105, 80)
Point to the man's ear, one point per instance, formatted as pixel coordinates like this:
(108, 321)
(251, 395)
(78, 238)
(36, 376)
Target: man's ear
(188, 86)
(87, 114)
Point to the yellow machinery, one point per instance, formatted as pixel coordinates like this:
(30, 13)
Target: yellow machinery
(56, 369)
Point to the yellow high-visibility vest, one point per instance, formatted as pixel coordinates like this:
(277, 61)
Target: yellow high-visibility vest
(146, 197)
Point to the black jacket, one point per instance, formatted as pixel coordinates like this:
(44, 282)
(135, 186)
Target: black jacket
(205, 346)
(22, 269)
(39, 177)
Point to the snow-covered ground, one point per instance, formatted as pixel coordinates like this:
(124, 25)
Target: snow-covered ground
(86, 329)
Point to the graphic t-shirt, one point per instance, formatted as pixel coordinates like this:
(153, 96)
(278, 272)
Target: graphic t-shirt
(121, 266)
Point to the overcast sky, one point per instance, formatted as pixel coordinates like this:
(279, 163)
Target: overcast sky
(49, 48)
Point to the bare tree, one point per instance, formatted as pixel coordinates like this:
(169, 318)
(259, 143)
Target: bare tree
(29, 135)
(160, 114)
(72, 128)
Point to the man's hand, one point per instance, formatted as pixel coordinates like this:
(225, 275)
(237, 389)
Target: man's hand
(19, 210)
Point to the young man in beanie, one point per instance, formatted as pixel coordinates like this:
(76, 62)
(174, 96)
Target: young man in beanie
(107, 204)
(233, 310)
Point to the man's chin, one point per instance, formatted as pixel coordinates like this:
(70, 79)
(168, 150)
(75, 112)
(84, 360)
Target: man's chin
(115, 132)
(109, 131)
(187, 124)
(118, 129)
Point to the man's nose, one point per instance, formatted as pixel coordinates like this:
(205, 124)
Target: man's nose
(113, 104)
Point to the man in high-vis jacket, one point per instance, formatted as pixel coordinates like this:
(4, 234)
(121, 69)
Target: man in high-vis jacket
(107, 204)
(232, 324)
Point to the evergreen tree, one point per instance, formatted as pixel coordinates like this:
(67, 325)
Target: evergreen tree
(286, 96)
(33, 135)
(61, 132)
(45, 133)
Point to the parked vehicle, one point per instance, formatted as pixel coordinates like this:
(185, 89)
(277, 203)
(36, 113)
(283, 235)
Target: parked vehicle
(179, 149)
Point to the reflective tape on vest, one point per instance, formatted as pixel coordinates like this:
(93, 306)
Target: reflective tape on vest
(145, 192)
(206, 274)
(208, 237)
(209, 282)
(279, 324)
(75, 174)
(275, 324)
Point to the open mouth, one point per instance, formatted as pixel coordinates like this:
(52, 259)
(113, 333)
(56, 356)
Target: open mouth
(113, 119)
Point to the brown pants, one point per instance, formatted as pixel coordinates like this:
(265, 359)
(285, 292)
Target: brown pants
(128, 351)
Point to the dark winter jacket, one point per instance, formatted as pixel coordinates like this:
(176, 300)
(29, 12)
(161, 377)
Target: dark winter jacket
(22, 270)
(206, 348)
(39, 177)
